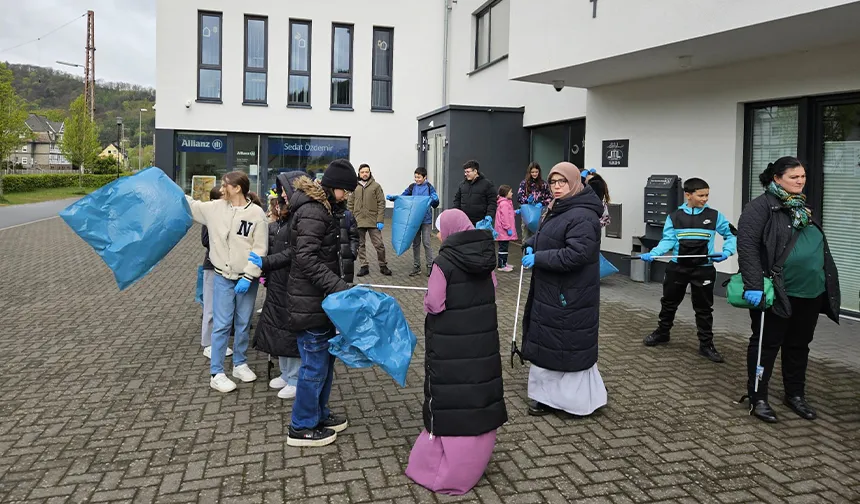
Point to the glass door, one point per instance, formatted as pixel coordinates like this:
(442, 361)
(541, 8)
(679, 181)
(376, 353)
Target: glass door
(246, 158)
(774, 135)
(436, 143)
(840, 148)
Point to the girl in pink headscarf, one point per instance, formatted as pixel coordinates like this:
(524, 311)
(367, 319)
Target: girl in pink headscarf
(463, 395)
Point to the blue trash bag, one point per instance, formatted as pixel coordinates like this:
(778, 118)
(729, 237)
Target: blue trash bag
(372, 329)
(530, 214)
(488, 226)
(132, 223)
(198, 295)
(606, 267)
(409, 212)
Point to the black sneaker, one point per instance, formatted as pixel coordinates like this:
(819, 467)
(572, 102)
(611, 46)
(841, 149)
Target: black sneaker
(710, 352)
(415, 271)
(311, 437)
(429, 270)
(364, 271)
(655, 339)
(335, 423)
(538, 409)
(384, 270)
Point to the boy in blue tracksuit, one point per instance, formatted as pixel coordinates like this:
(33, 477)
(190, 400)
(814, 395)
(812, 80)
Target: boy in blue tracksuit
(690, 231)
(421, 188)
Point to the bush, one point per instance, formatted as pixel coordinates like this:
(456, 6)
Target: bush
(28, 183)
(103, 166)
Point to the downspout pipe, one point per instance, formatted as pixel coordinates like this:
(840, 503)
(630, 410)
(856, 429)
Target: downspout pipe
(445, 53)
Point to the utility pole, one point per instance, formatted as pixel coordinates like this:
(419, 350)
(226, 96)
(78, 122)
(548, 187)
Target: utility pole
(139, 136)
(119, 143)
(90, 71)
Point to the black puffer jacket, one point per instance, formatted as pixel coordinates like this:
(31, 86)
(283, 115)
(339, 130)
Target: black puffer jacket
(477, 199)
(562, 315)
(315, 248)
(271, 334)
(463, 393)
(764, 230)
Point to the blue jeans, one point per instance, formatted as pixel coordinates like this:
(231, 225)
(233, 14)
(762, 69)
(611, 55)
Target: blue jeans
(290, 369)
(230, 309)
(315, 376)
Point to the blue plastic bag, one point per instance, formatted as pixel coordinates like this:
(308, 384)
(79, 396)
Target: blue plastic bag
(606, 267)
(372, 329)
(198, 295)
(409, 212)
(488, 226)
(530, 214)
(132, 223)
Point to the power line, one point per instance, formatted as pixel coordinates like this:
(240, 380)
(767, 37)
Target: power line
(43, 36)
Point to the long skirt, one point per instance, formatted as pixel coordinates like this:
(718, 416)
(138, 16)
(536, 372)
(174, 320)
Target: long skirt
(450, 465)
(578, 393)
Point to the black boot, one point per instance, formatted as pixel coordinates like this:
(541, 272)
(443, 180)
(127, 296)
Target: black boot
(538, 409)
(416, 270)
(799, 405)
(384, 270)
(760, 409)
(655, 339)
(710, 352)
(364, 271)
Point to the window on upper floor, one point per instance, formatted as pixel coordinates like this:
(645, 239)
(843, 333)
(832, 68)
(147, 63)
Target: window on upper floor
(256, 59)
(299, 92)
(23, 148)
(341, 66)
(492, 27)
(383, 69)
(209, 56)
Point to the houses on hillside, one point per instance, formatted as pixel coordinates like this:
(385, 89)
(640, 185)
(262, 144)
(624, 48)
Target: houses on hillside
(41, 149)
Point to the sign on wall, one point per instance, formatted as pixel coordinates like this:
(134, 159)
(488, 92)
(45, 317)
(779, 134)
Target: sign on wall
(201, 143)
(616, 153)
(309, 146)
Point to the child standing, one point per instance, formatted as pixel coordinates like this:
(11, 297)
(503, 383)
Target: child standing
(463, 395)
(505, 225)
(691, 230)
(421, 188)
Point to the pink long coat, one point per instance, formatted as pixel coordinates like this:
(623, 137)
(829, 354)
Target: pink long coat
(505, 219)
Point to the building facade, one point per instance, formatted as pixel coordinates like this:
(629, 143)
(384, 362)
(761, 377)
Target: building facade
(41, 151)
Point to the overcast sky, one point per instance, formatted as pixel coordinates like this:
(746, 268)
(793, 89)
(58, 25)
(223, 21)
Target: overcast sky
(125, 36)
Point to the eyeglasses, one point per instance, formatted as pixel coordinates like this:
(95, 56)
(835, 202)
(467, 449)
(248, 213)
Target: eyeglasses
(558, 182)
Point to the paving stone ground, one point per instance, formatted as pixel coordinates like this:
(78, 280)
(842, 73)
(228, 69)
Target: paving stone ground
(105, 399)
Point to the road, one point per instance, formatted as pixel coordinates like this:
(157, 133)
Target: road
(16, 215)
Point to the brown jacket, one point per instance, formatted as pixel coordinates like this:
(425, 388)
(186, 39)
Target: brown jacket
(367, 204)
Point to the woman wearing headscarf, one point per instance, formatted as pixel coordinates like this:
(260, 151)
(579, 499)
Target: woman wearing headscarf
(463, 396)
(562, 318)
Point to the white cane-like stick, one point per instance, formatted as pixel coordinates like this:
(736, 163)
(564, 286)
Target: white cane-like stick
(401, 287)
(517, 311)
(759, 370)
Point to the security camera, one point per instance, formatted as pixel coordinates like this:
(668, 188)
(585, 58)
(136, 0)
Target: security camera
(558, 85)
(187, 103)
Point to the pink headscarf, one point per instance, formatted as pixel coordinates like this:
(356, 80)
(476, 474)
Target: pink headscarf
(453, 221)
(574, 180)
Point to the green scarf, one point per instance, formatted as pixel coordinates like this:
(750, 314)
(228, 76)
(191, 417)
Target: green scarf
(795, 203)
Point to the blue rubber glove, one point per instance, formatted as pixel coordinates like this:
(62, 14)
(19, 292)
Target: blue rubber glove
(433, 197)
(647, 257)
(539, 205)
(488, 219)
(723, 257)
(379, 226)
(753, 297)
(510, 232)
(528, 260)
(391, 197)
(517, 211)
(529, 250)
(255, 260)
(531, 198)
(242, 286)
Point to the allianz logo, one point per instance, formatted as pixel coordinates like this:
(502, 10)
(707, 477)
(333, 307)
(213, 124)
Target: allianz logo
(214, 144)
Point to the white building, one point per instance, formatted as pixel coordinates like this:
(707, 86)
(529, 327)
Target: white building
(713, 89)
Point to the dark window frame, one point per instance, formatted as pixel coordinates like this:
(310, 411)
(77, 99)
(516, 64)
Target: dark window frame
(486, 10)
(334, 75)
(200, 65)
(299, 73)
(264, 70)
(390, 78)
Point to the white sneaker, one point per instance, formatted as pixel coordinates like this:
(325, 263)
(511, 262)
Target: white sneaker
(260, 310)
(277, 383)
(207, 352)
(288, 392)
(221, 383)
(244, 373)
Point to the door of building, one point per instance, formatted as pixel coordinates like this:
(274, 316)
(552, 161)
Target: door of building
(436, 142)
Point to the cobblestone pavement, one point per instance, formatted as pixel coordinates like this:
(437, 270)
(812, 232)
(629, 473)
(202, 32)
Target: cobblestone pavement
(105, 399)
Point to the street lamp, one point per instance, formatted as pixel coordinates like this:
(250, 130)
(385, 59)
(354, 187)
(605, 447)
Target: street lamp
(66, 63)
(118, 142)
(139, 135)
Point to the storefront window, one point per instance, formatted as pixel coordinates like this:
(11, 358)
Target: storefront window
(199, 155)
(774, 135)
(244, 157)
(311, 154)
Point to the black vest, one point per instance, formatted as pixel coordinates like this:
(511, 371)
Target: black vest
(694, 233)
(463, 394)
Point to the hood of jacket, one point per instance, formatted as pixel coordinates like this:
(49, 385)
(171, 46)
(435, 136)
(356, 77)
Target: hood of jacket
(307, 191)
(585, 199)
(473, 251)
(369, 182)
(477, 179)
(286, 181)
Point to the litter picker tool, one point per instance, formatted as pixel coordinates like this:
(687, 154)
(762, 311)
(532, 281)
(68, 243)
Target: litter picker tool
(396, 287)
(759, 369)
(707, 256)
(514, 349)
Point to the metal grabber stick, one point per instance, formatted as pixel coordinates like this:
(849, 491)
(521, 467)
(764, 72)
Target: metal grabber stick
(514, 349)
(400, 287)
(759, 369)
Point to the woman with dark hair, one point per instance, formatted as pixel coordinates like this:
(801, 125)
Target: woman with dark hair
(533, 189)
(778, 238)
(593, 180)
(237, 227)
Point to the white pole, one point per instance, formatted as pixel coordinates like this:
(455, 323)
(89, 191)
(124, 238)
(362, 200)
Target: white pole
(139, 135)
(400, 287)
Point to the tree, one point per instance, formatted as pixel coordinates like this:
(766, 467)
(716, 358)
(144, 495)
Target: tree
(103, 166)
(147, 157)
(13, 115)
(80, 143)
